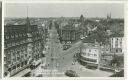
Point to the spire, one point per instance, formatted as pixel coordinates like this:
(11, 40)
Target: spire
(28, 22)
(81, 18)
(109, 16)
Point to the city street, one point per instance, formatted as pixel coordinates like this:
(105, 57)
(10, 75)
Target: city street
(59, 60)
(63, 40)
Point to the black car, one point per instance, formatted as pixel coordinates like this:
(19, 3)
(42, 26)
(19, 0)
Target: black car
(91, 67)
(71, 73)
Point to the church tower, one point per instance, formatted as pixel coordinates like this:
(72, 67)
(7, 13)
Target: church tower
(108, 17)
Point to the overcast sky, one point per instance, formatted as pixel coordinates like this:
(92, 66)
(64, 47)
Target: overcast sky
(64, 9)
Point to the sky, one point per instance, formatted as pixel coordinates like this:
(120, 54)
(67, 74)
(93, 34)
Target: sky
(64, 9)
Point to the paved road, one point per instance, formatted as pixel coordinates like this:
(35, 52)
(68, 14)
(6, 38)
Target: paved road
(58, 61)
(55, 50)
(56, 58)
(66, 59)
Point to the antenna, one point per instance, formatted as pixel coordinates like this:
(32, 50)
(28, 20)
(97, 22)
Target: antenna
(27, 10)
(27, 19)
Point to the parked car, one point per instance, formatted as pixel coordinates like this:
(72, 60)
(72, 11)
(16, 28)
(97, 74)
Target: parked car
(40, 75)
(71, 73)
(91, 67)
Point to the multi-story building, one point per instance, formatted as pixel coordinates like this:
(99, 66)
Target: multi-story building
(23, 45)
(112, 54)
(68, 34)
(90, 54)
(116, 42)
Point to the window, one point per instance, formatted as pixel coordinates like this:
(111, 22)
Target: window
(89, 50)
(25, 62)
(6, 37)
(16, 36)
(18, 65)
(116, 43)
(22, 64)
(116, 50)
(95, 55)
(5, 46)
(5, 59)
(18, 58)
(91, 54)
(121, 43)
(13, 44)
(88, 54)
(14, 67)
(12, 36)
(9, 69)
(20, 35)
(85, 54)
(121, 50)
(25, 55)
(9, 62)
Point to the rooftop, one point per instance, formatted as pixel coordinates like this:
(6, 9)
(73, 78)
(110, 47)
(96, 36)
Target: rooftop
(117, 35)
(91, 45)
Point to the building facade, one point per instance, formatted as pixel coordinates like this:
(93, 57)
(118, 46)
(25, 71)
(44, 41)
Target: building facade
(116, 43)
(90, 54)
(23, 46)
(112, 56)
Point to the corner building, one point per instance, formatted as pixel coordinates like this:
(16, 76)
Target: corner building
(90, 54)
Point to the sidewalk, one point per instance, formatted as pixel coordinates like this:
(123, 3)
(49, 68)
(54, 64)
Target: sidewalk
(47, 72)
(84, 72)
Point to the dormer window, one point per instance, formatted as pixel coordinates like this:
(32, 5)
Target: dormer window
(7, 37)
(20, 35)
(16, 35)
(12, 36)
